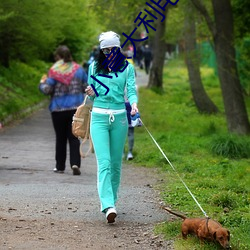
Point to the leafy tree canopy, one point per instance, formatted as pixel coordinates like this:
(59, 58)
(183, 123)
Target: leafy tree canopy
(33, 32)
(241, 18)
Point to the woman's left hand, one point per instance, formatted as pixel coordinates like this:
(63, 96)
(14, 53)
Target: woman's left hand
(134, 109)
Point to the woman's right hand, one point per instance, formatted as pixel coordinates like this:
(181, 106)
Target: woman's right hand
(89, 91)
(134, 109)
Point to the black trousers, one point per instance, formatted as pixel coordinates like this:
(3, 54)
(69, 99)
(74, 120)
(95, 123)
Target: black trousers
(62, 122)
(147, 65)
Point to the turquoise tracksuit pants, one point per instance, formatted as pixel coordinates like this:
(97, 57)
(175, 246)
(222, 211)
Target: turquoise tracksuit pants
(108, 133)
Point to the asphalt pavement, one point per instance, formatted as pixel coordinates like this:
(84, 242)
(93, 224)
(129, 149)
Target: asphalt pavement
(28, 182)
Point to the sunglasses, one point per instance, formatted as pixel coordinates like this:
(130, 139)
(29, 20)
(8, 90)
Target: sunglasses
(107, 51)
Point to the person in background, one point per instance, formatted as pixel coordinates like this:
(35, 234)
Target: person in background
(139, 56)
(109, 125)
(147, 54)
(130, 133)
(85, 66)
(93, 55)
(65, 83)
(128, 109)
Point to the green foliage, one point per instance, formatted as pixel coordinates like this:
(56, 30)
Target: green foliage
(29, 33)
(175, 19)
(242, 37)
(243, 60)
(19, 87)
(170, 230)
(231, 146)
(210, 129)
(241, 17)
(224, 200)
(219, 183)
(118, 15)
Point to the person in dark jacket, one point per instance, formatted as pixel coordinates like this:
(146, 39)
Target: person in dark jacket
(65, 83)
(147, 54)
(139, 56)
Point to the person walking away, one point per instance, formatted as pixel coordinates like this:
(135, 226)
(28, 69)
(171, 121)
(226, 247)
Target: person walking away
(139, 56)
(65, 84)
(147, 58)
(109, 125)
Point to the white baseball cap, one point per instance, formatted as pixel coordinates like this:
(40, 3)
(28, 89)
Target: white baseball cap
(109, 39)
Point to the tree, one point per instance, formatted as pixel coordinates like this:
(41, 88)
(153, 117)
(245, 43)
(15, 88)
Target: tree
(28, 33)
(223, 37)
(201, 99)
(242, 33)
(117, 15)
(23, 33)
(159, 49)
(241, 17)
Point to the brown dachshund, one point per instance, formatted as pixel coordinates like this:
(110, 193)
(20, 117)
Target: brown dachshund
(204, 229)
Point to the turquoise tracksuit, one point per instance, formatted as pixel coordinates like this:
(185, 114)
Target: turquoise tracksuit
(108, 129)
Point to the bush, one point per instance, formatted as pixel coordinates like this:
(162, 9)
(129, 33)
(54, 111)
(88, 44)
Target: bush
(231, 146)
(19, 88)
(224, 200)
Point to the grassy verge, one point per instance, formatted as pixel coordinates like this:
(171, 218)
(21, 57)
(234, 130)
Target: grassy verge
(19, 88)
(212, 163)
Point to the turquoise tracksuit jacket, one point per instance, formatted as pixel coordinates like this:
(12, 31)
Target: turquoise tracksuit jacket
(114, 99)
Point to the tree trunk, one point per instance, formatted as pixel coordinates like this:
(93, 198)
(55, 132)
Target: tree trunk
(159, 51)
(201, 99)
(223, 37)
(235, 109)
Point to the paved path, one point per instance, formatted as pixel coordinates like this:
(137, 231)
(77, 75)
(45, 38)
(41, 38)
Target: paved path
(141, 78)
(26, 163)
(27, 160)
(31, 191)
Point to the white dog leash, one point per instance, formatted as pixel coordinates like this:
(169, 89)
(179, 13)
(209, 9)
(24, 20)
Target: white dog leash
(174, 170)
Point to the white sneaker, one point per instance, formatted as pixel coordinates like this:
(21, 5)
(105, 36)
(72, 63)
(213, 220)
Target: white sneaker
(58, 171)
(111, 214)
(76, 170)
(130, 156)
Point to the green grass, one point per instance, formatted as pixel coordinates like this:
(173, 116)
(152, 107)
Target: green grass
(19, 87)
(214, 164)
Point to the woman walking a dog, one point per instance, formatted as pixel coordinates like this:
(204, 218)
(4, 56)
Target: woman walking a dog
(109, 123)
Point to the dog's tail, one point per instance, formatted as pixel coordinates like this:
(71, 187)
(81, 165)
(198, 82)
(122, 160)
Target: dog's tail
(175, 213)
